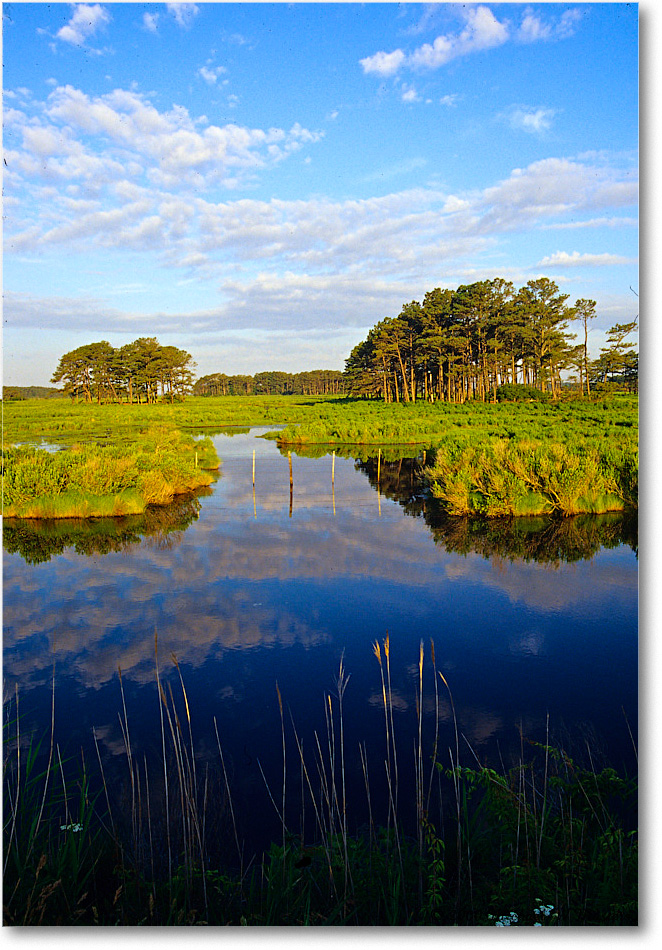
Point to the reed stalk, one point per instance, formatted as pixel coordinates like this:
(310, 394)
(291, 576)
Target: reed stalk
(14, 804)
(104, 783)
(165, 759)
(229, 796)
(542, 824)
(436, 725)
(124, 727)
(420, 829)
(316, 807)
(149, 829)
(282, 734)
(342, 682)
(47, 774)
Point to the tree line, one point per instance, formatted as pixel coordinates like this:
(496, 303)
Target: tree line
(143, 371)
(316, 382)
(456, 345)
(465, 343)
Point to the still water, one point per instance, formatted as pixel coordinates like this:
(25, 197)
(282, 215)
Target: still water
(534, 627)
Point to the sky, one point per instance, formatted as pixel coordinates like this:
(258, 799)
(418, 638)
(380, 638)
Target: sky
(259, 184)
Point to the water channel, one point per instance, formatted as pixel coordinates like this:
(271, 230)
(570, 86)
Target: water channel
(257, 592)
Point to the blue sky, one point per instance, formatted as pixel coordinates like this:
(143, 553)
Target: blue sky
(261, 183)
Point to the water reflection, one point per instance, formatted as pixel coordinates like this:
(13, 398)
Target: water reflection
(397, 473)
(37, 541)
(527, 617)
(394, 474)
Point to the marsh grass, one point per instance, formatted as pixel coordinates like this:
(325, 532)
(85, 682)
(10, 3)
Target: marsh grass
(510, 458)
(529, 477)
(105, 480)
(470, 845)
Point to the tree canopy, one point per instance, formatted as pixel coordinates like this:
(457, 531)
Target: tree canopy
(141, 371)
(466, 343)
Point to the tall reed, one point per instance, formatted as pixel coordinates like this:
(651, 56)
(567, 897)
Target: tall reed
(507, 844)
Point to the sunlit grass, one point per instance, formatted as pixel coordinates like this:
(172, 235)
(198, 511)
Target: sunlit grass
(512, 459)
(105, 480)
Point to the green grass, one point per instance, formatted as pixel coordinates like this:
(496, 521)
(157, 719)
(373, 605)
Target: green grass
(508, 458)
(64, 422)
(542, 840)
(519, 478)
(111, 480)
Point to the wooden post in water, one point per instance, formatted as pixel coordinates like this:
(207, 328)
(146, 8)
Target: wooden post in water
(333, 481)
(379, 494)
(254, 505)
(289, 458)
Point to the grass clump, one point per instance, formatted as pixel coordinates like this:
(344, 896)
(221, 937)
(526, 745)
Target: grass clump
(526, 477)
(105, 480)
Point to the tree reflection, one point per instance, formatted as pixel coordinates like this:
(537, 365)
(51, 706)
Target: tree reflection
(37, 541)
(548, 540)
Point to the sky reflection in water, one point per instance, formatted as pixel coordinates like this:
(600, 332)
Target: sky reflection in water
(249, 595)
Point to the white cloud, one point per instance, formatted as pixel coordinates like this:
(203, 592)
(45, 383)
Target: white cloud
(615, 222)
(123, 175)
(532, 28)
(563, 259)
(482, 31)
(566, 25)
(170, 144)
(450, 100)
(384, 64)
(151, 22)
(409, 94)
(533, 121)
(84, 23)
(184, 13)
(210, 75)
(550, 189)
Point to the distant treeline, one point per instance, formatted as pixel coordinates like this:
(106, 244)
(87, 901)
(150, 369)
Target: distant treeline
(316, 382)
(31, 392)
(466, 343)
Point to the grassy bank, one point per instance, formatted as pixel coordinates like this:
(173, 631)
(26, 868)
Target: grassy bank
(510, 458)
(544, 840)
(63, 422)
(105, 480)
(430, 424)
(326, 420)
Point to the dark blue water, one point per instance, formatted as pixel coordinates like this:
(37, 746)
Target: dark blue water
(531, 636)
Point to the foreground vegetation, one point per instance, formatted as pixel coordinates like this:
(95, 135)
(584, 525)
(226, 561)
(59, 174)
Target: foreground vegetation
(543, 840)
(97, 481)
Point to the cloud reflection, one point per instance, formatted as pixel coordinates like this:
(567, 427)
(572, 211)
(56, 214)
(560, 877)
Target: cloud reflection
(241, 581)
